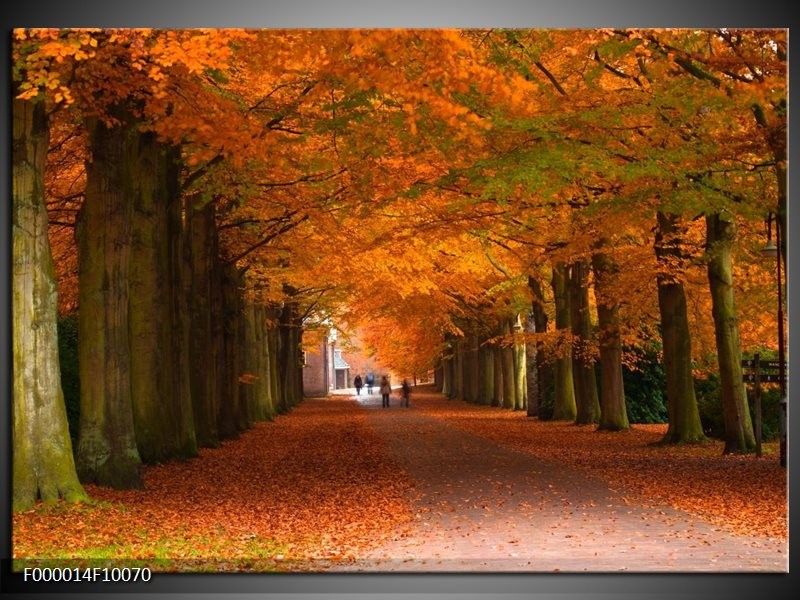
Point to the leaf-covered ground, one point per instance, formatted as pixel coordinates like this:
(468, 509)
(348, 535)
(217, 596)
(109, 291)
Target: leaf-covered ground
(313, 484)
(319, 485)
(741, 494)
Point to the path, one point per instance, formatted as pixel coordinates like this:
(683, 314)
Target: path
(482, 507)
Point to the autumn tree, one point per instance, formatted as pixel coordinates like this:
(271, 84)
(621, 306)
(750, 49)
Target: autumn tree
(43, 465)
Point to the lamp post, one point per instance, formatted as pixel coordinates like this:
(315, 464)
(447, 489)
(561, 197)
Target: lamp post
(772, 249)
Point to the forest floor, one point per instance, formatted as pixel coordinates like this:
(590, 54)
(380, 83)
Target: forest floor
(343, 484)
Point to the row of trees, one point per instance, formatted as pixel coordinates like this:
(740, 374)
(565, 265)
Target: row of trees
(629, 184)
(212, 195)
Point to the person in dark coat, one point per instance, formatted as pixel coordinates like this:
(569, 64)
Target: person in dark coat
(406, 391)
(370, 381)
(386, 389)
(358, 383)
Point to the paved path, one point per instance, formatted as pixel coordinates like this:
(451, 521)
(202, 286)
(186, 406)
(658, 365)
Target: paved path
(482, 507)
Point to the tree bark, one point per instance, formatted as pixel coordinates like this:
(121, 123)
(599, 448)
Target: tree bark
(458, 369)
(497, 359)
(107, 452)
(684, 417)
(43, 465)
(266, 410)
(720, 234)
(507, 362)
(203, 360)
(564, 407)
(520, 371)
(249, 369)
(151, 174)
(487, 374)
(447, 371)
(613, 412)
(228, 366)
(544, 367)
(181, 417)
(289, 368)
(471, 368)
(583, 375)
(146, 310)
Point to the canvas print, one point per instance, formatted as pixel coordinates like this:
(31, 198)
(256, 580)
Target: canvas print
(413, 300)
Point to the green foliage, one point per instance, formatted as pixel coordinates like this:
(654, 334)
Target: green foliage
(709, 405)
(70, 381)
(645, 388)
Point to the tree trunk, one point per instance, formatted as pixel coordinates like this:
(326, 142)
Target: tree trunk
(290, 356)
(249, 369)
(447, 376)
(507, 362)
(564, 407)
(438, 376)
(471, 368)
(228, 365)
(203, 361)
(543, 382)
(458, 369)
(43, 465)
(520, 371)
(613, 413)
(487, 374)
(146, 310)
(684, 418)
(151, 179)
(107, 452)
(531, 376)
(273, 344)
(720, 234)
(583, 375)
(181, 418)
(497, 359)
(266, 410)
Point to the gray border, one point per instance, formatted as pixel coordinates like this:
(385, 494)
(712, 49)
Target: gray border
(380, 13)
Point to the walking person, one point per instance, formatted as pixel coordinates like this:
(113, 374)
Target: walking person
(370, 381)
(358, 383)
(406, 391)
(386, 389)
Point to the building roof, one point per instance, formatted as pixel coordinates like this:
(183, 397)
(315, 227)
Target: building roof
(338, 361)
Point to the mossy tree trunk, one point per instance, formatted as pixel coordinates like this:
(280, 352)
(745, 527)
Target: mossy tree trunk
(520, 369)
(564, 407)
(273, 345)
(543, 382)
(147, 314)
(152, 173)
(204, 242)
(43, 464)
(265, 408)
(179, 289)
(720, 234)
(249, 369)
(613, 412)
(583, 375)
(229, 309)
(508, 366)
(107, 453)
(684, 417)
(290, 356)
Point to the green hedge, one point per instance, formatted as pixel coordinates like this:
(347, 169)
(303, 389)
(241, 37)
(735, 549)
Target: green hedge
(645, 390)
(70, 382)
